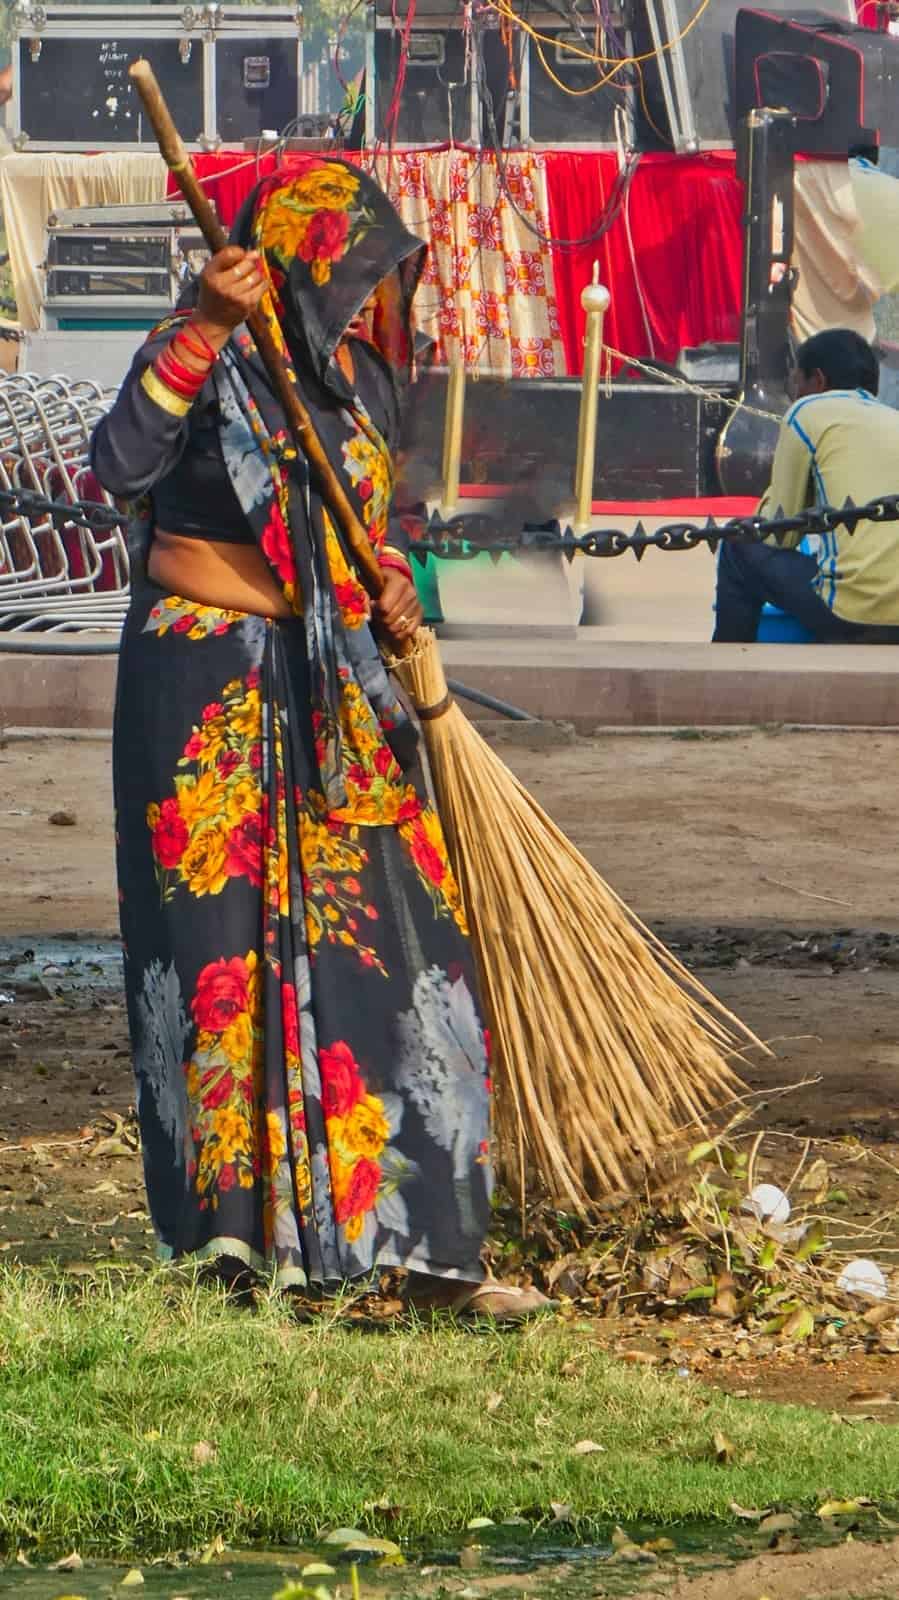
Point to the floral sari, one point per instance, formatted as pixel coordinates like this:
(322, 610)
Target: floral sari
(312, 1069)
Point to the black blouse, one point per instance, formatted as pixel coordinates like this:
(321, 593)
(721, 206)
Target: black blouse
(140, 448)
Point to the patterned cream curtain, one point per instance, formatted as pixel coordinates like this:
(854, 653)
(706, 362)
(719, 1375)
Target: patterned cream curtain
(487, 295)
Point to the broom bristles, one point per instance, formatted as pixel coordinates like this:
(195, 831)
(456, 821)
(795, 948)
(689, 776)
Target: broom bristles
(605, 1046)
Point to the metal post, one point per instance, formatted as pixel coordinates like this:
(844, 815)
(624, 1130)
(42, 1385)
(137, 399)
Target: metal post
(452, 435)
(595, 301)
(370, 79)
(687, 142)
(524, 93)
(210, 139)
(664, 78)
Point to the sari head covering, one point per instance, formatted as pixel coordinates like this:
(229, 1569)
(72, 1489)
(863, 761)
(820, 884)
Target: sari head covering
(330, 240)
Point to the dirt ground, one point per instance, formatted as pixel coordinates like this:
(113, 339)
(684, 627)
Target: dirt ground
(767, 859)
(845, 1572)
(790, 830)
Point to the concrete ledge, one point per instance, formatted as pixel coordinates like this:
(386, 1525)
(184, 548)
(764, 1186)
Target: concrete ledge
(590, 681)
(594, 682)
(69, 691)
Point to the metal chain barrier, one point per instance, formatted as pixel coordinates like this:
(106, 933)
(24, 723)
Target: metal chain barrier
(466, 536)
(701, 390)
(36, 507)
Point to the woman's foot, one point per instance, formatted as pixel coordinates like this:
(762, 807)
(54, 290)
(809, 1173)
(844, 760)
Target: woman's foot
(502, 1302)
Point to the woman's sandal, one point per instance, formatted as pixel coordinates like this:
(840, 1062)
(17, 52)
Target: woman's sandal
(501, 1302)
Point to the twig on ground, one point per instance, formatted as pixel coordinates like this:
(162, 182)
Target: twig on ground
(807, 894)
(44, 1144)
(799, 1165)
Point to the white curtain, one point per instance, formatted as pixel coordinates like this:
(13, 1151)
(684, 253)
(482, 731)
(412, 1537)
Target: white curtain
(34, 185)
(836, 286)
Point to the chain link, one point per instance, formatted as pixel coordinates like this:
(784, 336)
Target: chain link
(34, 507)
(702, 390)
(464, 537)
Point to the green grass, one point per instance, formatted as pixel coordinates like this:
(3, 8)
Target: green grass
(106, 1387)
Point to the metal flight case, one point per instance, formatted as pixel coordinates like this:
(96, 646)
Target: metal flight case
(229, 73)
(110, 267)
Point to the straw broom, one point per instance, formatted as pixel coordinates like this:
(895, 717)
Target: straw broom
(604, 1045)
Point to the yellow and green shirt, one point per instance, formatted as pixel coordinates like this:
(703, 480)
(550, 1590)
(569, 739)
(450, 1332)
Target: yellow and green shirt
(843, 444)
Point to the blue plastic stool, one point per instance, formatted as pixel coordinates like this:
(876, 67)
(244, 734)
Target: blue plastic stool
(778, 627)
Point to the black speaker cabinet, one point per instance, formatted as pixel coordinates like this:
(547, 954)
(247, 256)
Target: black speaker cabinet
(256, 86)
(437, 104)
(840, 82)
(564, 100)
(694, 78)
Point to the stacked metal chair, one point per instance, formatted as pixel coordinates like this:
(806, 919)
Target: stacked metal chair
(55, 577)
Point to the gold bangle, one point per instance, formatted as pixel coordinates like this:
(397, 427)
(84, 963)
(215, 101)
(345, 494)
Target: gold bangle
(162, 395)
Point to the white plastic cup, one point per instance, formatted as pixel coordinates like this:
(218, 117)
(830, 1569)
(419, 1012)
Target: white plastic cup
(863, 1277)
(768, 1203)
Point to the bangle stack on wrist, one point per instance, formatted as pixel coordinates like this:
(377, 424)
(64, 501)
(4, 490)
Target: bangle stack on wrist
(173, 383)
(394, 560)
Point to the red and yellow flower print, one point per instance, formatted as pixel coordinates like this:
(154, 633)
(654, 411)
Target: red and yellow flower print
(176, 615)
(238, 1140)
(224, 1077)
(377, 795)
(215, 826)
(367, 464)
(278, 550)
(357, 1132)
(337, 911)
(422, 835)
(355, 607)
(313, 217)
(296, 1104)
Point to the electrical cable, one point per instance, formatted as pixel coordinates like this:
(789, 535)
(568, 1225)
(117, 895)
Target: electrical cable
(504, 9)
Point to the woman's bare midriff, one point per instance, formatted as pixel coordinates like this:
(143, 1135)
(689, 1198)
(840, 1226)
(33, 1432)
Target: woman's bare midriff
(215, 573)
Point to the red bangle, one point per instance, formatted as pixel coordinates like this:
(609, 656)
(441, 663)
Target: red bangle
(397, 564)
(202, 352)
(209, 349)
(178, 377)
(187, 374)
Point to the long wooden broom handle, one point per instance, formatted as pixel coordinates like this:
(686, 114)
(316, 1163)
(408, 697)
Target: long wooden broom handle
(178, 161)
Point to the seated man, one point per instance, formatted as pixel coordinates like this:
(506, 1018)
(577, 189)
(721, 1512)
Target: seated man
(836, 443)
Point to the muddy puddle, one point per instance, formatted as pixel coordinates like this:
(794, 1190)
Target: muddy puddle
(705, 1560)
(574, 1573)
(50, 967)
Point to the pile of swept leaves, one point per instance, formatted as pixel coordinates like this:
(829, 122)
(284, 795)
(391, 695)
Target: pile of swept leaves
(694, 1250)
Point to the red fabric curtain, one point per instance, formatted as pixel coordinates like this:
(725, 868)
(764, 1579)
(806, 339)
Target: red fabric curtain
(672, 260)
(871, 14)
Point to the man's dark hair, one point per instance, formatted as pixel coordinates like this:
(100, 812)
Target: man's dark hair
(845, 358)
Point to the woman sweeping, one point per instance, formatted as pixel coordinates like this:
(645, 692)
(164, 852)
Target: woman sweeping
(312, 1068)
